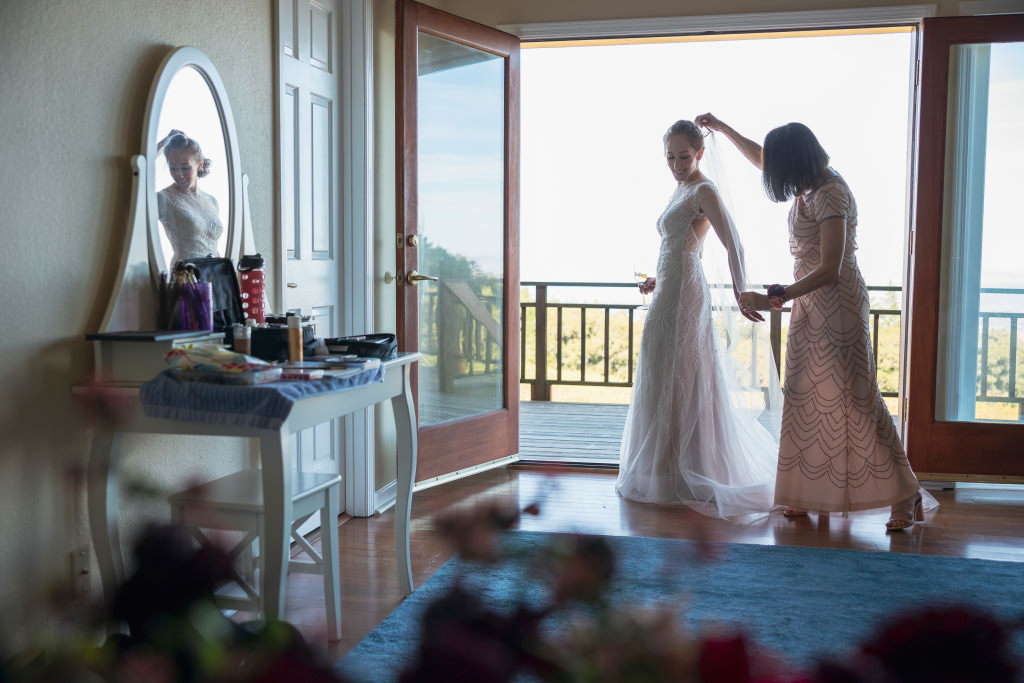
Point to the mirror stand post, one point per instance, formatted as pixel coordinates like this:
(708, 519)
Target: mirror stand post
(248, 240)
(133, 301)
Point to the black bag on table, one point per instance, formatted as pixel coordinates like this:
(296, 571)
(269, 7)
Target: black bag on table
(383, 345)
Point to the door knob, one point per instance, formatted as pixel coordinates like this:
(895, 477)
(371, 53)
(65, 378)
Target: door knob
(292, 285)
(388, 277)
(412, 277)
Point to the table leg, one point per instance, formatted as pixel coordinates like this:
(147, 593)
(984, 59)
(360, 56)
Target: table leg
(103, 479)
(405, 426)
(277, 516)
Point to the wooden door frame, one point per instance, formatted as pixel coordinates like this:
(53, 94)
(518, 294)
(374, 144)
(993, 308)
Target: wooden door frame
(495, 434)
(954, 450)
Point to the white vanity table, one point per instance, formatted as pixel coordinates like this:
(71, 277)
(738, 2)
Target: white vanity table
(275, 458)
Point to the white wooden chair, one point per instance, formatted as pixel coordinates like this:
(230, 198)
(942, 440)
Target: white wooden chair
(235, 503)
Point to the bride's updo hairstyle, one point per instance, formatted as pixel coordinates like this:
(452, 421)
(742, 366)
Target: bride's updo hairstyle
(194, 150)
(689, 129)
(794, 161)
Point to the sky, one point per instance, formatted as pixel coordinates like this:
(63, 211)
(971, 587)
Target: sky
(1003, 240)
(594, 179)
(594, 175)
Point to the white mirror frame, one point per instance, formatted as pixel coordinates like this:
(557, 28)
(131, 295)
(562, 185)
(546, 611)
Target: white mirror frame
(178, 59)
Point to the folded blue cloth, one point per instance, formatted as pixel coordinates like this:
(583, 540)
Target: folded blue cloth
(260, 406)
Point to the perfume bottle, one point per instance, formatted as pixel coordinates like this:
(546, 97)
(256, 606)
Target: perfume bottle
(242, 339)
(294, 339)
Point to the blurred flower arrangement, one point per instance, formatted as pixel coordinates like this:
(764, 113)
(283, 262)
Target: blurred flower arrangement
(576, 632)
(176, 633)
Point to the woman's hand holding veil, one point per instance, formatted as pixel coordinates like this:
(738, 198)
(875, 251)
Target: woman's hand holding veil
(709, 121)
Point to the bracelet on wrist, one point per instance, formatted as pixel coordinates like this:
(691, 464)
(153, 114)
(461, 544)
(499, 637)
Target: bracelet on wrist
(777, 291)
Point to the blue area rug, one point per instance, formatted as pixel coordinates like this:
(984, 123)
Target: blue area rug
(801, 603)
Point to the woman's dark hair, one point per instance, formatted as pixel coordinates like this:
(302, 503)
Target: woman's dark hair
(192, 147)
(794, 161)
(688, 128)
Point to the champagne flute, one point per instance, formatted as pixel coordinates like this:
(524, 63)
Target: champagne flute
(640, 278)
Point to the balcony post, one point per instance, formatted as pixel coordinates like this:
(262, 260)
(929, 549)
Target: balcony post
(540, 390)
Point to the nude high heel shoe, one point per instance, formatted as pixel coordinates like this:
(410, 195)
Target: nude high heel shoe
(904, 517)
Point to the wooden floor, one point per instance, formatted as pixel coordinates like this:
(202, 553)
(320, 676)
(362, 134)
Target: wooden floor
(977, 521)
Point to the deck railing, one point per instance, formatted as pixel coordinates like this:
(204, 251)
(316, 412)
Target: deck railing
(535, 340)
(464, 339)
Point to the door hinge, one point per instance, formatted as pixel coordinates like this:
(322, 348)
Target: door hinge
(917, 72)
(911, 247)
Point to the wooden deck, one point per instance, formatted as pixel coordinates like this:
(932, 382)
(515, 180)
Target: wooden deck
(564, 433)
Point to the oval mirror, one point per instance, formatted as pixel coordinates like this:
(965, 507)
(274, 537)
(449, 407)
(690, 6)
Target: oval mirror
(194, 177)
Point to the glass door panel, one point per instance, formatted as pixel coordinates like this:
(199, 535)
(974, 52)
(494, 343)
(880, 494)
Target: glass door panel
(980, 373)
(460, 228)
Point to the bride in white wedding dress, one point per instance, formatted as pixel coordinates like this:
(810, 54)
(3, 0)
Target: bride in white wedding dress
(692, 432)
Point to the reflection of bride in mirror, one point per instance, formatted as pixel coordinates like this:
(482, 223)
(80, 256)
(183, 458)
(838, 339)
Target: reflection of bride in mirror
(189, 215)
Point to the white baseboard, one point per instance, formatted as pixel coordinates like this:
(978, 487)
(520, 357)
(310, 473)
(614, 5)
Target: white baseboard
(384, 498)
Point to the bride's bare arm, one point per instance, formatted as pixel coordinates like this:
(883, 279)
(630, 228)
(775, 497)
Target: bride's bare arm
(721, 221)
(750, 149)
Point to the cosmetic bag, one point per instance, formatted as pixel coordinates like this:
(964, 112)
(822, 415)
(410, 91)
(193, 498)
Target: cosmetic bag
(227, 300)
(383, 345)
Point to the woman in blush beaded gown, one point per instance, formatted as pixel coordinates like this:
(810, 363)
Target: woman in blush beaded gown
(839, 449)
(692, 433)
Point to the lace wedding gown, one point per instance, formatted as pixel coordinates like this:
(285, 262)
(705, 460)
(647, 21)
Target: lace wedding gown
(190, 221)
(692, 433)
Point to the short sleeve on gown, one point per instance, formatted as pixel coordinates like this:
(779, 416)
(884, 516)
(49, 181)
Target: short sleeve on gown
(832, 200)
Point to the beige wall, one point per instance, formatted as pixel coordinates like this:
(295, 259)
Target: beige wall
(75, 78)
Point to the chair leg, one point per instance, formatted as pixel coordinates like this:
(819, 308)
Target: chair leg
(330, 564)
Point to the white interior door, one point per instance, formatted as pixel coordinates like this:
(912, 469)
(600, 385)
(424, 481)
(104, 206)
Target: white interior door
(310, 236)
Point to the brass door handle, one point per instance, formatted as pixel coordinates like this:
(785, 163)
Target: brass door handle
(412, 277)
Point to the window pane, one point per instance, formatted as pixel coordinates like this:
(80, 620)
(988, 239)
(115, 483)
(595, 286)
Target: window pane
(982, 302)
(461, 226)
